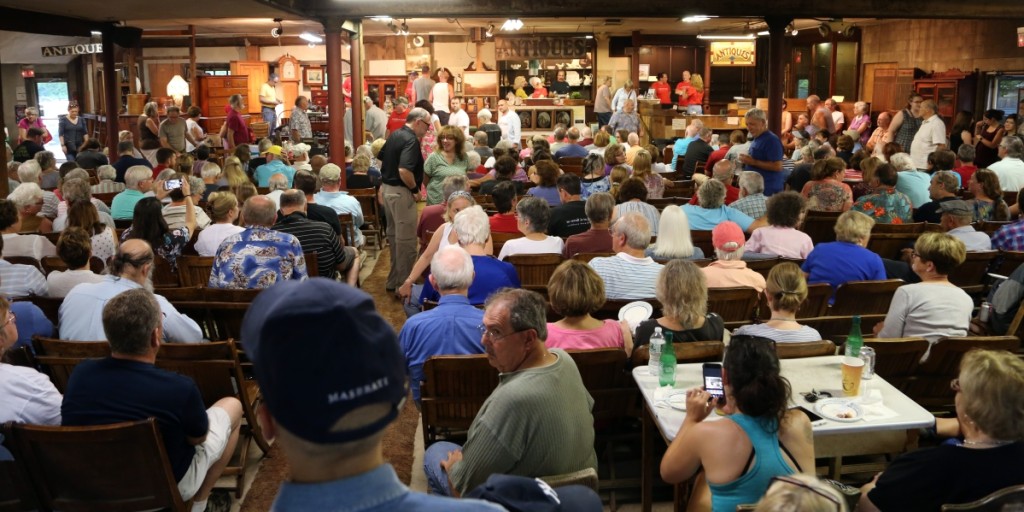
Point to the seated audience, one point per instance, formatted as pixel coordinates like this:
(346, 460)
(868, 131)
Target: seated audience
(934, 307)
(332, 257)
(826, 191)
(801, 492)
(505, 169)
(956, 217)
(28, 172)
(628, 275)
(723, 172)
(148, 224)
(224, 209)
(15, 244)
(75, 188)
(846, 259)
(433, 216)
(137, 180)
(362, 177)
(131, 268)
(505, 199)
(885, 205)
(26, 396)
(275, 164)
(752, 201)
(307, 183)
(127, 386)
(618, 176)
(18, 280)
(28, 199)
(533, 214)
(452, 328)
(175, 213)
(74, 248)
(598, 238)
(943, 188)
(546, 178)
(103, 237)
(642, 171)
(699, 150)
(990, 409)
(331, 195)
(575, 291)
(594, 179)
(781, 236)
(785, 292)
(277, 185)
(910, 180)
(569, 218)
(633, 199)
(682, 290)
(522, 411)
(758, 398)
(675, 241)
(712, 211)
(573, 148)
(614, 155)
(966, 154)
(729, 270)
(988, 203)
(259, 256)
(867, 173)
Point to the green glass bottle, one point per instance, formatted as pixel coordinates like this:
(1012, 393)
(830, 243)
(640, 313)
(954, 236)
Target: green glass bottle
(667, 374)
(855, 341)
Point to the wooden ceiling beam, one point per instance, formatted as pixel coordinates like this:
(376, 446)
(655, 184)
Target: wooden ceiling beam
(18, 20)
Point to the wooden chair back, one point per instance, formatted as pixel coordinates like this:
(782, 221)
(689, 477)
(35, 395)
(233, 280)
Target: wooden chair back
(106, 197)
(816, 304)
(702, 239)
(53, 237)
(194, 270)
(585, 257)
(763, 266)
(117, 467)
(970, 275)
(25, 260)
(837, 328)
(163, 275)
(805, 349)
(499, 239)
(348, 228)
(312, 267)
(610, 309)
(55, 264)
(864, 297)
(50, 306)
(896, 359)
(666, 155)
(58, 358)
(535, 269)
(16, 491)
(260, 130)
(686, 352)
(452, 393)
(1010, 196)
(661, 203)
(184, 294)
(571, 164)
(990, 227)
(372, 228)
(889, 244)
(680, 188)
(930, 384)
(820, 226)
(1008, 261)
(736, 305)
(1005, 499)
(604, 375)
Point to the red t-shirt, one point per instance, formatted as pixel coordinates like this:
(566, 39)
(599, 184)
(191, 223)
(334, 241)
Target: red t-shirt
(663, 91)
(683, 91)
(965, 172)
(504, 223)
(397, 120)
(714, 158)
(731, 195)
(158, 169)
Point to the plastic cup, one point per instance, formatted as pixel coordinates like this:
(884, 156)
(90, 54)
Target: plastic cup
(853, 368)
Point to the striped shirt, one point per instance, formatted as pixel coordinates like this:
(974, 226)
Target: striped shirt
(627, 277)
(804, 333)
(107, 187)
(315, 237)
(21, 280)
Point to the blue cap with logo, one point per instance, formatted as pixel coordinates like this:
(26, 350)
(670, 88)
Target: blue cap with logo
(320, 351)
(523, 494)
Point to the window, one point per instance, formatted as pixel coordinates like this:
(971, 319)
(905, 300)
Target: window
(1006, 92)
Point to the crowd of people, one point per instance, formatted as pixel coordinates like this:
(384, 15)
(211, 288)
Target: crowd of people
(463, 296)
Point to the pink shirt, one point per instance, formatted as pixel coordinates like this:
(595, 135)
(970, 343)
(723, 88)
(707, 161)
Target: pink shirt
(780, 241)
(609, 335)
(728, 274)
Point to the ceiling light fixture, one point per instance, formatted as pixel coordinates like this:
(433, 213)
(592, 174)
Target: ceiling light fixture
(588, 36)
(382, 19)
(418, 41)
(697, 18)
(734, 37)
(490, 30)
(404, 28)
(311, 38)
(512, 24)
(763, 33)
(277, 31)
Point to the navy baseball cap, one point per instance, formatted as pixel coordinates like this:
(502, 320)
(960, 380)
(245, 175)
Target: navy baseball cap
(320, 351)
(522, 494)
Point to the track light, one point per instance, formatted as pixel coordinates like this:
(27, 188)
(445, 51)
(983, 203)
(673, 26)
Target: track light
(310, 38)
(277, 31)
(393, 28)
(512, 24)
(405, 28)
(490, 30)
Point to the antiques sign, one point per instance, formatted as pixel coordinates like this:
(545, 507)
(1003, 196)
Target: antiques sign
(732, 53)
(540, 47)
(72, 49)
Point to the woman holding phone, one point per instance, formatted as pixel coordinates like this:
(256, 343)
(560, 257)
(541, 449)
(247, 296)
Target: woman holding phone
(760, 439)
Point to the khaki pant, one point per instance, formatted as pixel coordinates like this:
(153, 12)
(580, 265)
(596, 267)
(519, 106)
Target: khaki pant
(400, 208)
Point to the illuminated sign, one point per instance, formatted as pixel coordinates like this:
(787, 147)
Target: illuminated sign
(72, 49)
(732, 53)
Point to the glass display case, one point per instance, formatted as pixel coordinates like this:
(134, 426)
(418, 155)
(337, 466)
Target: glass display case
(579, 73)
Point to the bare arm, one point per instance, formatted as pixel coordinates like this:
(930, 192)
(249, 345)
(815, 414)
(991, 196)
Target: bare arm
(230, 135)
(683, 457)
(627, 337)
(407, 177)
(894, 125)
(995, 140)
(190, 209)
(405, 291)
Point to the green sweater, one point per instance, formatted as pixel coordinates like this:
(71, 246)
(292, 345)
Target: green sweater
(536, 423)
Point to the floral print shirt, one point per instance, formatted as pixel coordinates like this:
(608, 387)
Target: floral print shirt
(175, 241)
(886, 206)
(592, 186)
(257, 258)
(827, 195)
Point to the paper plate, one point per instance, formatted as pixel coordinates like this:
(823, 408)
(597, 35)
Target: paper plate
(677, 401)
(636, 312)
(844, 410)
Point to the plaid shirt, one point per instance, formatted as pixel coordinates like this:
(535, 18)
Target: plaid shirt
(1009, 237)
(107, 187)
(753, 205)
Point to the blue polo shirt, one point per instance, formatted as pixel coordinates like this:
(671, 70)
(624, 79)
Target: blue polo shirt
(768, 148)
(703, 219)
(265, 171)
(836, 263)
(491, 274)
(679, 150)
(123, 204)
(452, 328)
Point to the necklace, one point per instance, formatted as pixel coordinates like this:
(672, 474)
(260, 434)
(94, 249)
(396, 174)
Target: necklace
(987, 444)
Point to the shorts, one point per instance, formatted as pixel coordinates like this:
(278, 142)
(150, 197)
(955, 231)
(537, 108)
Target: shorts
(348, 256)
(207, 453)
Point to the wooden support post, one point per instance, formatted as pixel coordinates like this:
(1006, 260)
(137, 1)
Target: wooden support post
(111, 90)
(335, 104)
(193, 92)
(776, 65)
(4, 189)
(358, 107)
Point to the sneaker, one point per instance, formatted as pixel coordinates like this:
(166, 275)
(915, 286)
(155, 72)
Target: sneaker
(220, 501)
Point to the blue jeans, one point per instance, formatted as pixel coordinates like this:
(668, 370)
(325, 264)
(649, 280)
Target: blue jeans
(603, 118)
(270, 117)
(437, 479)
(414, 306)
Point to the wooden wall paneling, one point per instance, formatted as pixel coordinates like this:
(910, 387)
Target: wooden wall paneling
(879, 86)
(257, 73)
(287, 92)
(159, 76)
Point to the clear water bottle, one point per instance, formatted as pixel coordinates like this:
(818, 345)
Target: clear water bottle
(667, 376)
(656, 345)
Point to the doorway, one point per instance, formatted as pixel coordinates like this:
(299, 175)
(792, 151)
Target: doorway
(52, 100)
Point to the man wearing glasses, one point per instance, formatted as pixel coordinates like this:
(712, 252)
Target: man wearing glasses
(402, 176)
(539, 408)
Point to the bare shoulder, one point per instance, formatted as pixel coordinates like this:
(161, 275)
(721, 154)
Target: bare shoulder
(796, 425)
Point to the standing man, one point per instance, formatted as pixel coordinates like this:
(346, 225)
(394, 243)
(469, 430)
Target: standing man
(269, 101)
(376, 119)
(459, 117)
(299, 122)
(930, 137)
(398, 114)
(683, 90)
(821, 118)
(508, 121)
(423, 85)
(401, 177)
(174, 131)
(765, 153)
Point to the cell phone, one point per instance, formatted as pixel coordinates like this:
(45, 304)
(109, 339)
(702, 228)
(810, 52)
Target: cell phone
(713, 381)
(172, 184)
(811, 415)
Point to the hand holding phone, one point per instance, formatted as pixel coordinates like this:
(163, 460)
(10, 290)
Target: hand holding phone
(713, 382)
(172, 184)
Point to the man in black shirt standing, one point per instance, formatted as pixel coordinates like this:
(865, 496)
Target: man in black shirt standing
(570, 218)
(401, 176)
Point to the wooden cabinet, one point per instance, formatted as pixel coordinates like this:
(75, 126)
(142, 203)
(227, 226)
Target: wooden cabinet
(951, 90)
(257, 74)
(213, 93)
(387, 88)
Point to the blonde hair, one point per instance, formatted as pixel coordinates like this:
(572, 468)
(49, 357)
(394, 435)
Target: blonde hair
(575, 289)
(674, 240)
(945, 251)
(361, 163)
(642, 165)
(806, 494)
(601, 139)
(220, 205)
(682, 290)
(993, 386)
(787, 286)
(853, 227)
(697, 82)
(611, 151)
(233, 172)
(616, 178)
(150, 109)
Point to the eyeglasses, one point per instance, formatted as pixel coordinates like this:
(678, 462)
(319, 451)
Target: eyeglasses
(446, 137)
(798, 483)
(10, 318)
(424, 123)
(955, 385)
(914, 254)
(486, 333)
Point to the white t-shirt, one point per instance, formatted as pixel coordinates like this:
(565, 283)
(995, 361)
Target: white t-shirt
(441, 99)
(550, 245)
(191, 127)
(838, 118)
(27, 396)
(60, 283)
(32, 246)
(460, 119)
(210, 238)
(931, 133)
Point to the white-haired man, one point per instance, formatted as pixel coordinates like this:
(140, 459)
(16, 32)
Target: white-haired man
(752, 201)
(106, 174)
(29, 172)
(930, 137)
(138, 180)
(629, 275)
(729, 270)
(277, 185)
(765, 153)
